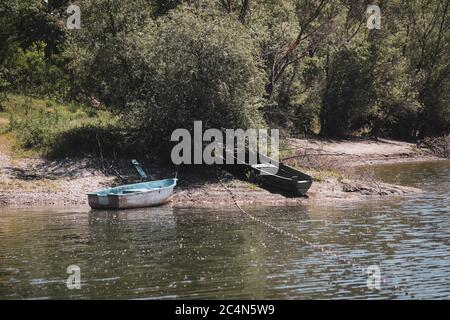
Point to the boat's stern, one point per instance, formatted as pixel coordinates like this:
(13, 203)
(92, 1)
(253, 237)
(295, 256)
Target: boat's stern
(303, 186)
(99, 201)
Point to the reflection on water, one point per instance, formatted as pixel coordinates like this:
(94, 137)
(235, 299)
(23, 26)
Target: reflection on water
(199, 253)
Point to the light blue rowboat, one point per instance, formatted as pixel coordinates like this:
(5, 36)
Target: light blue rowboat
(138, 195)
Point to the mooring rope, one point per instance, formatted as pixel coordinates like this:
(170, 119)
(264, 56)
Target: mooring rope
(355, 267)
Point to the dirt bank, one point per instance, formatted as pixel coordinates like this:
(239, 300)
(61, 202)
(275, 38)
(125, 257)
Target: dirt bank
(36, 181)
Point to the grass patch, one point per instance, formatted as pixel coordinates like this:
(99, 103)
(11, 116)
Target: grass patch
(323, 175)
(58, 130)
(320, 173)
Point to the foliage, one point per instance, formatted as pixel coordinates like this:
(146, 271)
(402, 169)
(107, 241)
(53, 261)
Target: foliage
(212, 73)
(307, 66)
(31, 39)
(348, 95)
(191, 64)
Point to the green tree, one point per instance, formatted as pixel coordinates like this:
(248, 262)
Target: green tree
(32, 37)
(101, 53)
(205, 67)
(429, 49)
(349, 94)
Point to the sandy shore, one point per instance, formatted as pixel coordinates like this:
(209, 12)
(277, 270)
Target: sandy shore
(37, 181)
(357, 152)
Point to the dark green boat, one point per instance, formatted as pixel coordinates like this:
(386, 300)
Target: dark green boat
(286, 178)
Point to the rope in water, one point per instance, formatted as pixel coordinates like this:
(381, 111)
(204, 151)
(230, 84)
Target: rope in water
(355, 267)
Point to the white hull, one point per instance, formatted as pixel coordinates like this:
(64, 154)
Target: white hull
(109, 200)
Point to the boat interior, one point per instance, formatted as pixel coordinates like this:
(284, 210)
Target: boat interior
(136, 188)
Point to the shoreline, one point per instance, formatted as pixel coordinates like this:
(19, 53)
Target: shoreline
(34, 182)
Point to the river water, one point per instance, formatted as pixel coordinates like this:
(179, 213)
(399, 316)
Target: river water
(219, 253)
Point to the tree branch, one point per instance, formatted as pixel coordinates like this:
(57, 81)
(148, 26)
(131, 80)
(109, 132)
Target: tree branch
(244, 10)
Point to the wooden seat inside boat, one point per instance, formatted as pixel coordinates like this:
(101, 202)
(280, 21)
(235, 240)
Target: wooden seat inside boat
(136, 190)
(263, 165)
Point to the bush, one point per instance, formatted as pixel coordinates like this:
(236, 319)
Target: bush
(212, 73)
(31, 40)
(188, 65)
(29, 72)
(102, 54)
(435, 116)
(348, 95)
